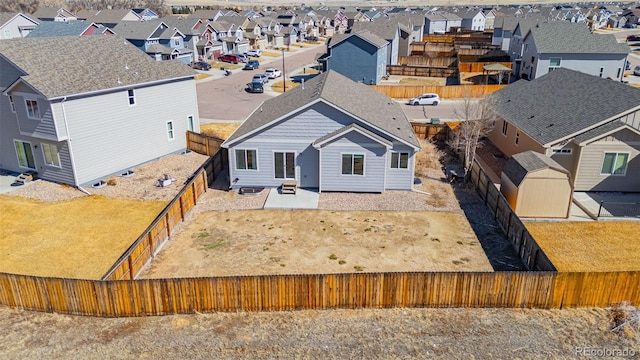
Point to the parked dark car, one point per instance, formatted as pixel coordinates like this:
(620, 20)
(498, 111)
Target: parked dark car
(633, 37)
(252, 65)
(200, 65)
(230, 58)
(255, 87)
(312, 38)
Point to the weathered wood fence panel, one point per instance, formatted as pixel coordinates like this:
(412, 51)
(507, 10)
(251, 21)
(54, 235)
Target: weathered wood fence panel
(446, 61)
(203, 144)
(430, 131)
(424, 71)
(478, 66)
(319, 291)
(445, 92)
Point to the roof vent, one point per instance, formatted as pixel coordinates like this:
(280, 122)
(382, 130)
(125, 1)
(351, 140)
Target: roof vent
(550, 125)
(393, 118)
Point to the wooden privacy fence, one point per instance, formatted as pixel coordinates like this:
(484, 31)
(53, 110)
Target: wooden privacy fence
(203, 144)
(523, 242)
(129, 265)
(445, 61)
(430, 131)
(319, 291)
(425, 71)
(446, 92)
(478, 66)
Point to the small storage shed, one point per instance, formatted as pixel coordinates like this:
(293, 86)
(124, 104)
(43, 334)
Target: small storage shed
(536, 186)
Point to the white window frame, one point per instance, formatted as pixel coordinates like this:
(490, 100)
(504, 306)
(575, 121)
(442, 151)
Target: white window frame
(171, 130)
(36, 113)
(190, 123)
(51, 159)
(561, 151)
(353, 155)
(619, 73)
(7, 33)
(505, 127)
(12, 102)
(617, 153)
(131, 96)
(517, 140)
(398, 160)
(285, 152)
(601, 72)
(246, 164)
(15, 141)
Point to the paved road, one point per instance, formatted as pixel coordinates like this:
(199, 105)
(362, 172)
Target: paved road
(225, 97)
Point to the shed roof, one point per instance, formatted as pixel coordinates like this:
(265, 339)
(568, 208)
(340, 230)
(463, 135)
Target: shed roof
(521, 164)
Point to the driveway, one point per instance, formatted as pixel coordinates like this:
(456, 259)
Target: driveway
(226, 99)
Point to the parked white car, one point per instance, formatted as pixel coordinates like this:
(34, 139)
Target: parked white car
(273, 73)
(254, 53)
(425, 99)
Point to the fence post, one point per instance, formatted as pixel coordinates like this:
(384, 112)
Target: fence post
(181, 208)
(509, 222)
(150, 241)
(486, 192)
(195, 196)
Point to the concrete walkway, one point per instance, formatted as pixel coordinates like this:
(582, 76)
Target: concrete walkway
(303, 199)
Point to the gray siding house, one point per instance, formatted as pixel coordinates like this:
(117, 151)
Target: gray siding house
(75, 126)
(589, 125)
(331, 134)
(15, 25)
(360, 56)
(548, 46)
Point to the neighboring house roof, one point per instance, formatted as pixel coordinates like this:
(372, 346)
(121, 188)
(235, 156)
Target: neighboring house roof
(573, 38)
(519, 165)
(110, 16)
(140, 30)
(70, 65)
(346, 129)
(603, 130)
(385, 28)
(373, 39)
(562, 103)
(6, 17)
(46, 12)
(339, 91)
(60, 28)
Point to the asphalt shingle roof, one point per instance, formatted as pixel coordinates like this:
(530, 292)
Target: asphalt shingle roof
(355, 98)
(519, 165)
(59, 28)
(69, 65)
(140, 30)
(599, 131)
(573, 38)
(562, 103)
(366, 35)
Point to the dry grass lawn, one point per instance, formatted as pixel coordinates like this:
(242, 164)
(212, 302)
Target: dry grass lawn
(319, 241)
(589, 246)
(201, 76)
(219, 130)
(429, 170)
(220, 65)
(278, 86)
(79, 238)
(271, 53)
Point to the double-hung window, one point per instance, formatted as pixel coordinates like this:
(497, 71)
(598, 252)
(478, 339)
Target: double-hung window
(352, 164)
(51, 156)
(399, 160)
(505, 127)
(246, 159)
(614, 164)
(12, 103)
(554, 63)
(170, 133)
(32, 109)
(132, 97)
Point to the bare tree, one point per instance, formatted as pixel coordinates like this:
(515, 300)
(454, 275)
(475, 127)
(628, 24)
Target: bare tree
(22, 6)
(476, 120)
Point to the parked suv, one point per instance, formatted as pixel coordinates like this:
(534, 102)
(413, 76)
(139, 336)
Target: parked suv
(254, 53)
(230, 58)
(255, 87)
(200, 65)
(252, 65)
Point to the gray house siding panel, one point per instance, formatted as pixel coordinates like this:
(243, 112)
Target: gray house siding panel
(43, 128)
(612, 64)
(589, 177)
(109, 136)
(632, 119)
(400, 179)
(62, 174)
(306, 164)
(309, 124)
(355, 59)
(567, 161)
(374, 165)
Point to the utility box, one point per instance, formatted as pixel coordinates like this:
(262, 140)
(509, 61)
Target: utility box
(435, 121)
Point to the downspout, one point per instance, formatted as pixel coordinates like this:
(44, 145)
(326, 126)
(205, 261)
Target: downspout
(73, 163)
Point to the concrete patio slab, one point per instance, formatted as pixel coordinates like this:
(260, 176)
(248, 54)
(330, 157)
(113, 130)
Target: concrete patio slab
(614, 205)
(303, 199)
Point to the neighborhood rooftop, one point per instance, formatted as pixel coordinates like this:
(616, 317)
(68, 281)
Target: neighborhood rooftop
(566, 37)
(354, 98)
(68, 65)
(562, 102)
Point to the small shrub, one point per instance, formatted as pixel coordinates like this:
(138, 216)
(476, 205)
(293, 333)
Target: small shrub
(333, 257)
(459, 242)
(112, 182)
(625, 319)
(367, 229)
(457, 262)
(465, 259)
(358, 268)
(435, 239)
(342, 262)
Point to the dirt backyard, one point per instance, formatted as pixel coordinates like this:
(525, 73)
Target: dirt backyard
(328, 334)
(303, 242)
